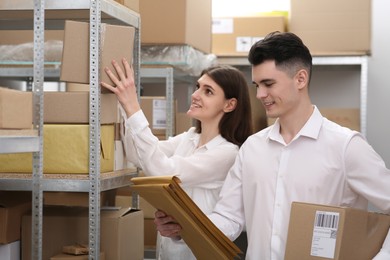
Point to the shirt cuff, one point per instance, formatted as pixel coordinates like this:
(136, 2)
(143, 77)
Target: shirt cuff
(382, 255)
(137, 122)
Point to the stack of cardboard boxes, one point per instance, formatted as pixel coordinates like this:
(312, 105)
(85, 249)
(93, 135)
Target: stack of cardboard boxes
(66, 151)
(327, 27)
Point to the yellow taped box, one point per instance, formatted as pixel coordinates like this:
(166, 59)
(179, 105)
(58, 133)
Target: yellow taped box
(65, 151)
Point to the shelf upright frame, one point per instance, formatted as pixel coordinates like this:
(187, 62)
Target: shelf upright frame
(37, 167)
(94, 130)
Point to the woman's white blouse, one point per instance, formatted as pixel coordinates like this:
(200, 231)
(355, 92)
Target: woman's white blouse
(202, 170)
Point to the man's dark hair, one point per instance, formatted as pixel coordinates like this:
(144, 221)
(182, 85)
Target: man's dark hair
(286, 49)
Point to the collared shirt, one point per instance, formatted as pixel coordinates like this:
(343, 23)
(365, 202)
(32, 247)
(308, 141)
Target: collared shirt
(201, 170)
(324, 164)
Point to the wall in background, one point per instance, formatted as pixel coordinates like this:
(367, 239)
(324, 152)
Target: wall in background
(378, 105)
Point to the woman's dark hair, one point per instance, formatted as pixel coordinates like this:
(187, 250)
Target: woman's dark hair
(286, 49)
(236, 125)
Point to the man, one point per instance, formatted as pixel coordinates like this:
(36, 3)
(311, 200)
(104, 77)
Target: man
(302, 157)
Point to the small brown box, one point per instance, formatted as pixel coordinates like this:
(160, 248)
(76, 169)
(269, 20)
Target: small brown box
(117, 43)
(15, 109)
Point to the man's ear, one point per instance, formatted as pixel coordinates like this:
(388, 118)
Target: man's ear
(230, 105)
(302, 78)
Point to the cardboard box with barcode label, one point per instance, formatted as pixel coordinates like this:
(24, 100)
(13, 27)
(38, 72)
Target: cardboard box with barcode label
(155, 110)
(325, 232)
(233, 36)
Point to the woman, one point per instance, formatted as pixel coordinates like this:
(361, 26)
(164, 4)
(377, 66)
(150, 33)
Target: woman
(200, 157)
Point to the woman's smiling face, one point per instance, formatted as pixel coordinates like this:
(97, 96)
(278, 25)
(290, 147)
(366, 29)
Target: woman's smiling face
(208, 100)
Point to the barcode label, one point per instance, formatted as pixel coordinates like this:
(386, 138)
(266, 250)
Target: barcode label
(325, 229)
(161, 122)
(327, 220)
(159, 114)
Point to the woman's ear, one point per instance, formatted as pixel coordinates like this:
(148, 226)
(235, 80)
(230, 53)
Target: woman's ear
(230, 105)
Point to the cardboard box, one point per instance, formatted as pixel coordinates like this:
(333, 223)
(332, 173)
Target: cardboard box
(10, 251)
(190, 24)
(73, 107)
(119, 156)
(13, 37)
(13, 205)
(131, 4)
(121, 232)
(15, 109)
(332, 27)
(77, 199)
(348, 117)
(154, 109)
(126, 201)
(72, 86)
(150, 232)
(234, 36)
(74, 257)
(65, 151)
(325, 232)
(116, 43)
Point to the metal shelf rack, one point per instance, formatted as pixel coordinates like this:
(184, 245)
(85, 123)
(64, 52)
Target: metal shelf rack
(358, 60)
(50, 14)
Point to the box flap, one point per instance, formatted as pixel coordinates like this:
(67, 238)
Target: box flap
(114, 212)
(106, 142)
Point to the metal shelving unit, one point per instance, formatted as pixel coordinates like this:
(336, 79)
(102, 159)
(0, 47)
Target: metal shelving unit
(48, 14)
(357, 60)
